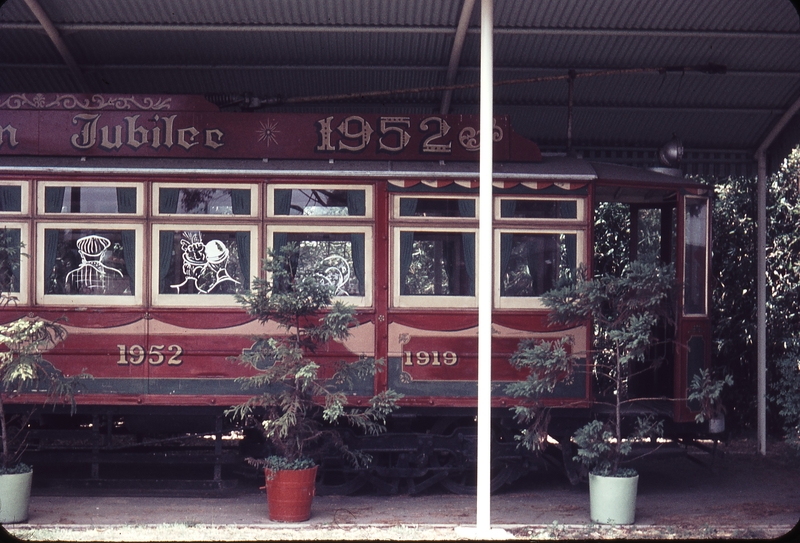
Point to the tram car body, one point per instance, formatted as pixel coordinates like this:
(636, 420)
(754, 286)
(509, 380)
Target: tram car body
(142, 216)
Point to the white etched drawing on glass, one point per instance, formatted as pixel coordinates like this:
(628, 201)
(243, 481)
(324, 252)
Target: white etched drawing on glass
(336, 274)
(91, 273)
(204, 264)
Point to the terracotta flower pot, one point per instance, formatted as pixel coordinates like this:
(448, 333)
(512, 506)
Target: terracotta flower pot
(289, 494)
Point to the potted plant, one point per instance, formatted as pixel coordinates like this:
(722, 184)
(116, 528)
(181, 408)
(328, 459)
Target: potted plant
(296, 405)
(707, 391)
(624, 311)
(23, 369)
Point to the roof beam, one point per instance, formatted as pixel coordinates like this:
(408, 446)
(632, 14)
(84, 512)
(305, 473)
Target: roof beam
(455, 53)
(412, 29)
(58, 42)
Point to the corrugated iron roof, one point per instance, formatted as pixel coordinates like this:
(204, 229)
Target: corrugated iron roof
(299, 48)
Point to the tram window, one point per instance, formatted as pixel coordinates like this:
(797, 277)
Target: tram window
(532, 264)
(86, 264)
(437, 263)
(695, 256)
(435, 207)
(205, 265)
(11, 198)
(319, 201)
(13, 267)
(205, 200)
(529, 208)
(346, 255)
(90, 199)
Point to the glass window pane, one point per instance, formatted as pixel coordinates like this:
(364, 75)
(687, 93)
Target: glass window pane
(535, 262)
(538, 209)
(204, 201)
(89, 262)
(437, 207)
(696, 235)
(319, 202)
(342, 256)
(10, 250)
(437, 263)
(203, 262)
(86, 199)
(10, 198)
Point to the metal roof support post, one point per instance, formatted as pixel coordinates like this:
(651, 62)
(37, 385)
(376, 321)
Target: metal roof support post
(484, 274)
(761, 304)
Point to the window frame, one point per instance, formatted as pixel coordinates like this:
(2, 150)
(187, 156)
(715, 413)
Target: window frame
(89, 300)
(530, 302)
(368, 201)
(41, 201)
(685, 257)
(365, 301)
(395, 206)
(416, 301)
(156, 198)
(158, 299)
(23, 296)
(581, 203)
(24, 198)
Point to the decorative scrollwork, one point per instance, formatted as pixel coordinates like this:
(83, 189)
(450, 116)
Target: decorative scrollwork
(95, 102)
(470, 137)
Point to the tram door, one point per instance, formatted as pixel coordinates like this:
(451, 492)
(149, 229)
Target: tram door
(653, 235)
(681, 235)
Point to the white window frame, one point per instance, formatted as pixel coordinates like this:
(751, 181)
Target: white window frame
(530, 302)
(24, 200)
(368, 200)
(432, 196)
(365, 301)
(438, 302)
(580, 200)
(198, 300)
(22, 297)
(89, 300)
(254, 200)
(42, 185)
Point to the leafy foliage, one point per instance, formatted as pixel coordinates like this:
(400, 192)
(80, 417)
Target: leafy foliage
(23, 369)
(734, 295)
(292, 400)
(707, 391)
(624, 311)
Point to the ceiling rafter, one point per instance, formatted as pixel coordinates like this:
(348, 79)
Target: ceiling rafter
(58, 42)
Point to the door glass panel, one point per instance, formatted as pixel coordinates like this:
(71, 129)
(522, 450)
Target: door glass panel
(696, 255)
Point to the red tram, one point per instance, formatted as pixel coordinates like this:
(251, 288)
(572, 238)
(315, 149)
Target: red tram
(142, 216)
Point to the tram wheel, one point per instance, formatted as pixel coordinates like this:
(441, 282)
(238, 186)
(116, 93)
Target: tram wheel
(337, 478)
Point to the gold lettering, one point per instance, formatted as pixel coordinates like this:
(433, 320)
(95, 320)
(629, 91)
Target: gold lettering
(183, 142)
(12, 135)
(423, 358)
(394, 124)
(106, 143)
(214, 138)
(87, 136)
(364, 133)
(449, 358)
(133, 130)
(325, 134)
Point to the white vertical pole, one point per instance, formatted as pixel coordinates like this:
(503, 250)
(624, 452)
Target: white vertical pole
(761, 302)
(484, 255)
